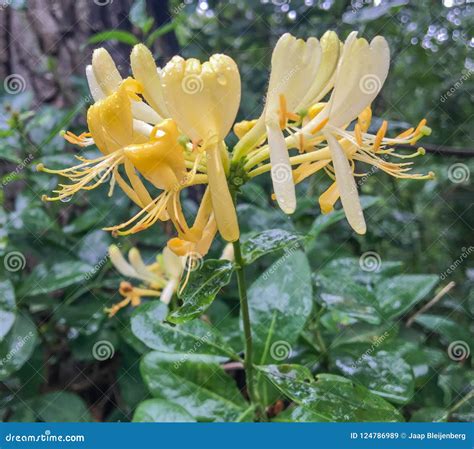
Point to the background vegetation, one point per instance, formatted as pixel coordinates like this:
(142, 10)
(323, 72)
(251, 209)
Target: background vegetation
(55, 277)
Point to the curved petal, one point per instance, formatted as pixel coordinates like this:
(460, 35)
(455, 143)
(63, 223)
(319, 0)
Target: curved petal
(346, 186)
(282, 177)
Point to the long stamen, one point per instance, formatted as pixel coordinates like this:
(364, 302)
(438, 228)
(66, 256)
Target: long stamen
(83, 177)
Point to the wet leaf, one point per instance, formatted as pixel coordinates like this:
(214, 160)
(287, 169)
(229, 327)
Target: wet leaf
(201, 289)
(194, 382)
(269, 241)
(159, 410)
(330, 397)
(197, 337)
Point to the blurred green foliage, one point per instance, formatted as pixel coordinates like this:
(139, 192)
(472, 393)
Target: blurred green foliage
(55, 279)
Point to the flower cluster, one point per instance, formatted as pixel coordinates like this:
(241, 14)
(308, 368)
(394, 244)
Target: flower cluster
(163, 130)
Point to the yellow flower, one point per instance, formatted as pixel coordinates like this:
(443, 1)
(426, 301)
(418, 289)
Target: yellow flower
(301, 74)
(203, 99)
(111, 128)
(326, 142)
(160, 279)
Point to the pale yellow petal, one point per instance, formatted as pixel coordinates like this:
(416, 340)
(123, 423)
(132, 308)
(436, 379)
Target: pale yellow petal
(346, 186)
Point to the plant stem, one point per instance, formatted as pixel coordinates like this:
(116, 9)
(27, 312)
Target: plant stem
(244, 306)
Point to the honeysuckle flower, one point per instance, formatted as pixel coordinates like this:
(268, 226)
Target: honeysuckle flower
(204, 99)
(327, 143)
(111, 128)
(160, 279)
(301, 74)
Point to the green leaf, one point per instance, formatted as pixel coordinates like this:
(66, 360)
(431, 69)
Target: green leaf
(62, 406)
(300, 414)
(324, 221)
(346, 301)
(383, 373)
(399, 294)
(449, 330)
(430, 414)
(194, 382)
(201, 289)
(46, 279)
(280, 302)
(162, 30)
(113, 35)
(196, 337)
(159, 410)
(7, 307)
(259, 244)
(331, 398)
(17, 346)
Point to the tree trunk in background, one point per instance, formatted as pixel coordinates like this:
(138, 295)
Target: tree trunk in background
(45, 42)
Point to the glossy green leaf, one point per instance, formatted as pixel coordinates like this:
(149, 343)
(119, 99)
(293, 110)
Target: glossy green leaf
(7, 307)
(160, 410)
(280, 302)
(269, 241)
(384, 373)
(346, 301)
(300, 414)
(114, 35)
(46, 279)
(332, 398)
(17, 346)
(61, 406)
(448, 329)
(197, 337)
(201, 289)
(196, 383)
(430, 414)
(399, 294)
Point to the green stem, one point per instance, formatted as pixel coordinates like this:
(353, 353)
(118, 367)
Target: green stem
(244, 306)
